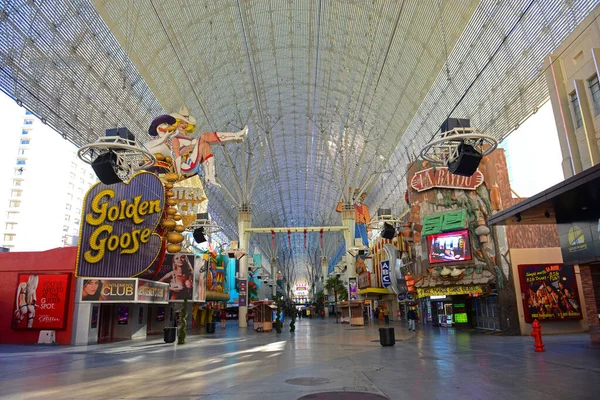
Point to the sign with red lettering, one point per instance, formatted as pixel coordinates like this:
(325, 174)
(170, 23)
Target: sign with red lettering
(117, 236)
(364, 280)
(40, 301)
(440, 177)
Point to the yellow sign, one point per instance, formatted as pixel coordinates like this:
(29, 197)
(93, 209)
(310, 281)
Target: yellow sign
(190, 198)
(127, 242)
(449, 291)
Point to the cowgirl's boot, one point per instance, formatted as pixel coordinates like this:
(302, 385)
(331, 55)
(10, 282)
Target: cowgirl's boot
(209, 171)
(233, 136)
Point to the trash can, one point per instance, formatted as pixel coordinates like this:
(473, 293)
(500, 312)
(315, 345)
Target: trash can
(170, 334)
(387, 336)
(210, 327)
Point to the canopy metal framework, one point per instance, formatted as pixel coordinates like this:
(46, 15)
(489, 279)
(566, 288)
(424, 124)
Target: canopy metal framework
(337, 94)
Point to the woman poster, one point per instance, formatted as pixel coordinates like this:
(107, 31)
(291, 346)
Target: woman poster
(26, 302)
(179, 275)
(200, 267)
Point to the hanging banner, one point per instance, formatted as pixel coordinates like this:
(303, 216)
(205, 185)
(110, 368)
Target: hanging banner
(243, 291)
(177, 270)
(549, 292)
(200, 268)
(41, 301)
(352, 289)
(116, 237)
(364, 280)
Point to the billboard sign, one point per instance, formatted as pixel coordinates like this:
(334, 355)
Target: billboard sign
(41, 301)
(117, 236)
(549, 292)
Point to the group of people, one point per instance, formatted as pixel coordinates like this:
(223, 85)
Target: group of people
(552, 300)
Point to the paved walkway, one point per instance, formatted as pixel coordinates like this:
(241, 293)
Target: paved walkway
(321, 356)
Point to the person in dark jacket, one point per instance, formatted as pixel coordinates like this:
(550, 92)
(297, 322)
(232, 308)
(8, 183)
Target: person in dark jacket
(412, 317)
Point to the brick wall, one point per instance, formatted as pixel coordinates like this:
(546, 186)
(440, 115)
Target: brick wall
(590, 286)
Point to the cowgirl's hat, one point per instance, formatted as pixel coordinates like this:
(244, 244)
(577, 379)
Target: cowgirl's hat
(184, 115)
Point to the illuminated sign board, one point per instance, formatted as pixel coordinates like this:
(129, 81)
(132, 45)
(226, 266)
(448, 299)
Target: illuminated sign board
(117, 236)
(440, 177)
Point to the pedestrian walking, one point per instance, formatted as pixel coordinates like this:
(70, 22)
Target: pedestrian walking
(412, 317)
(386, 315)
(223, 318)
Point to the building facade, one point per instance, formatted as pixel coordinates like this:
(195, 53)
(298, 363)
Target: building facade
(42, 185)
(572, 77)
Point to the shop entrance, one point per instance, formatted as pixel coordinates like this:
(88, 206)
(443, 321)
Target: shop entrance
(105, 323)
(485, 310)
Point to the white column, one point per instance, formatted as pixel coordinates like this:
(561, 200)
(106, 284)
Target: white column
(348, 221)
(244, 222)
(274, 276)
(325, 270)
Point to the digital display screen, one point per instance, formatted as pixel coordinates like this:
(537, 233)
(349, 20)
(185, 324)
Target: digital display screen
(449, 247)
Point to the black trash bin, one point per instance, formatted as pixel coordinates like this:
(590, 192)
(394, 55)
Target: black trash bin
(210, 327)
(170, 334)
(387, 336)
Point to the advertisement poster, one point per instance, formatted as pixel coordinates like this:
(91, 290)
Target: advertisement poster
(243, 290)
(178, 271)
(40, 301)
(200, 267)
(549, 292)
(108, 290)
(123, 315)
(152, 292)
(215, 275)
(352, 289)
(160, 314)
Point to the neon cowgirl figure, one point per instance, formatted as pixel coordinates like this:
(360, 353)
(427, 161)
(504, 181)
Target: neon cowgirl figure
(172, 132)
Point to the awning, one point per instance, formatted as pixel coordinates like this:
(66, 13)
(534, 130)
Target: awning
(374, 291)
(216, 296)
(470, 277)
(453, 290)
(575, 195)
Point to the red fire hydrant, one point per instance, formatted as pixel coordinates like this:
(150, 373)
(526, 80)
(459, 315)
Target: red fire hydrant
(537, 335)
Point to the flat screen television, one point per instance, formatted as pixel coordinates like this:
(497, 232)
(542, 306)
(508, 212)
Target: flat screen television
(449, 247)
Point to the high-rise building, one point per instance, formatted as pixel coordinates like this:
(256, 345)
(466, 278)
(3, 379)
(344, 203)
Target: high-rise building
(42, 184)
(572, 78)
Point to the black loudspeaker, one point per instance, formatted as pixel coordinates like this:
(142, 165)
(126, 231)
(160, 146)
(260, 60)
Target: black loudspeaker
(199, 235)
(452, 123)
(467, 161)
(105, 167)
(388, 231)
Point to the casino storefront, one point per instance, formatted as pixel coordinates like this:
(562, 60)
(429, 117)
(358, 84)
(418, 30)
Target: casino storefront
(464, 303)
(115, 309)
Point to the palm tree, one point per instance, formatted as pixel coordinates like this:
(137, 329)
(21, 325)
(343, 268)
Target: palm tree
(335, 285)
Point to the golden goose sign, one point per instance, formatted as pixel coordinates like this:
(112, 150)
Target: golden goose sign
(117, 237)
